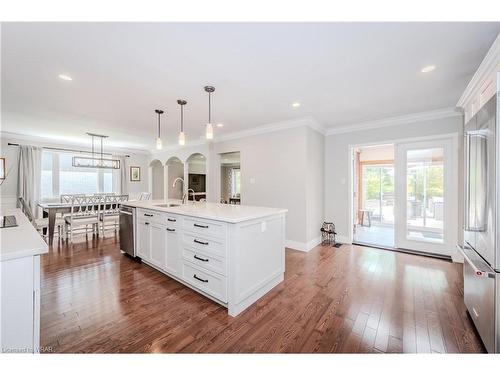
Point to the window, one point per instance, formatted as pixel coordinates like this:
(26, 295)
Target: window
(58, 177)
(235, 182)
(378, 192)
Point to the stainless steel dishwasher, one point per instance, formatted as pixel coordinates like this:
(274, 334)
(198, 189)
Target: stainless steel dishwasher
(127, 233)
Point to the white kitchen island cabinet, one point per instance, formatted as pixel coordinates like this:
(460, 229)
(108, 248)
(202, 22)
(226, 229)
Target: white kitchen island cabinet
(231, 254)
(20, 250)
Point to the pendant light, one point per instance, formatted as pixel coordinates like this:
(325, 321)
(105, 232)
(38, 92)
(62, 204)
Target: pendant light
(158, 140)
(182, 137)
(209, 131)
(97, 159)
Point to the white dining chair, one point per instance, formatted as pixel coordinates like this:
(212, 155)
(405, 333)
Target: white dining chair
(42, 223)
(85, 212)
(110, 212)
(66, 198)
(145, 196)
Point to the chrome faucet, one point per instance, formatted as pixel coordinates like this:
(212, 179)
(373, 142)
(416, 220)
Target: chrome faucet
(185, 197)
(178, 179)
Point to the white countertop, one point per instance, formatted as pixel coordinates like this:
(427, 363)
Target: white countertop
(214, 211)
(21, 241)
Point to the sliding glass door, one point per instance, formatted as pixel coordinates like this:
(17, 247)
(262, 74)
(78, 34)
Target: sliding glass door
(425, 197)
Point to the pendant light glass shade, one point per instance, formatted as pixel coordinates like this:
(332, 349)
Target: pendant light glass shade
(158, 144)
(182, 139)
(209, 131)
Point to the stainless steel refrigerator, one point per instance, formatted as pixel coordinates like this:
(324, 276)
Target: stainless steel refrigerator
(480, 248)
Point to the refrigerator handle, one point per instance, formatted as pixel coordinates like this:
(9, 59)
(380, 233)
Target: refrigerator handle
(477, 271)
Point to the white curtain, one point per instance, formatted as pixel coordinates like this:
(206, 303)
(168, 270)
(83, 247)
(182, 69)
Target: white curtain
(29, 178)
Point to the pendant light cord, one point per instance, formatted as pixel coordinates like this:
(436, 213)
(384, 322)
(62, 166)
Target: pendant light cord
(182, 118)
(159, 124)
(209, 108)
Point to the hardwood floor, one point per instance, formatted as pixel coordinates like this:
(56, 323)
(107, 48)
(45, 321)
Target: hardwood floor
(347, 300)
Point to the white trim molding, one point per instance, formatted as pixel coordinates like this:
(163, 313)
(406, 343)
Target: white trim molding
(303, 246)
(394, 121)
(310, 122)
(490, 63)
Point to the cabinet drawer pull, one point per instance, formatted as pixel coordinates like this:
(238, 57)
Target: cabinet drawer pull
(172, 220)
(200, 226)
(171, 230)
(149, 215)
(146, 223)
(200, 242)
(202, 259)
(198, 278)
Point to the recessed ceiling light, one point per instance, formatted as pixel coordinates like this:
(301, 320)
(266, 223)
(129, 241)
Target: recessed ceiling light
(220, 125)
(295, 104)
(65, 77)
(428, 68)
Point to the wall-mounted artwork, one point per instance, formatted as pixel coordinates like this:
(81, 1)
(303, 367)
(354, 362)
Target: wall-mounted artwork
(135, 173)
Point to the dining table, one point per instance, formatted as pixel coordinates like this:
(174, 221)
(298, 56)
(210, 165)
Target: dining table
(50, 210)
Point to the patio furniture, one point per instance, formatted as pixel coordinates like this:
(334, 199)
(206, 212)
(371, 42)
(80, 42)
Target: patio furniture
(368, 213)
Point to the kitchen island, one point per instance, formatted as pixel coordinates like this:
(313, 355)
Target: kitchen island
(232, 254)
(20, 250)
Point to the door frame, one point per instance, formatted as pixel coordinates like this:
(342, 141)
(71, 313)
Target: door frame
(450, 195)
(453, 137)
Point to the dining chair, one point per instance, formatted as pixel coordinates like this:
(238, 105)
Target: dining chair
(66, 198)
(103, 194)
(110, 212)
(145, 196)
(41, 223)
(85, 212)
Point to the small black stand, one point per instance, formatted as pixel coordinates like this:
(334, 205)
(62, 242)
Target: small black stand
(328, 234)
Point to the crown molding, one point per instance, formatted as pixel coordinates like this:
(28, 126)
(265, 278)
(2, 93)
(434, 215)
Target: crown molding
(490, 63)
(309, 121)
(395, 121)
(276, 126)
(41, 141)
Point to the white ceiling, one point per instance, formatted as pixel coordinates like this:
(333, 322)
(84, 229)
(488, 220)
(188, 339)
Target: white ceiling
(341, 73)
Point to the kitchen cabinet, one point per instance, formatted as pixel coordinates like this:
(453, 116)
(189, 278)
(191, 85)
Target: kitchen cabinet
(484, 84)
(143, 239)
(20, 250)
(158, 235)
(173, 264)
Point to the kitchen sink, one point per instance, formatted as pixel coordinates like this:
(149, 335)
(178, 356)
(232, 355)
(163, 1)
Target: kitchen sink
(167, 205)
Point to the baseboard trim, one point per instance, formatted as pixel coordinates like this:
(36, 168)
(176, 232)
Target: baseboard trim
(303, 246)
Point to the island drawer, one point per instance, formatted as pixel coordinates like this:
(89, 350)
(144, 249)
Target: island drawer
(153, 216)
(205, 244)
(208, 282)
(205, 227)
(172, 221)
(205, 261)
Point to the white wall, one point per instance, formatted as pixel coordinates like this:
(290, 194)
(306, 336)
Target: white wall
(157, 179)
(135, 188)
(175, 169)
(314, 186)
(337, 161)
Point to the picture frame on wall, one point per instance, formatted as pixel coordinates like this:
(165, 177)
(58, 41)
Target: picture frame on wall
(135, 173)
